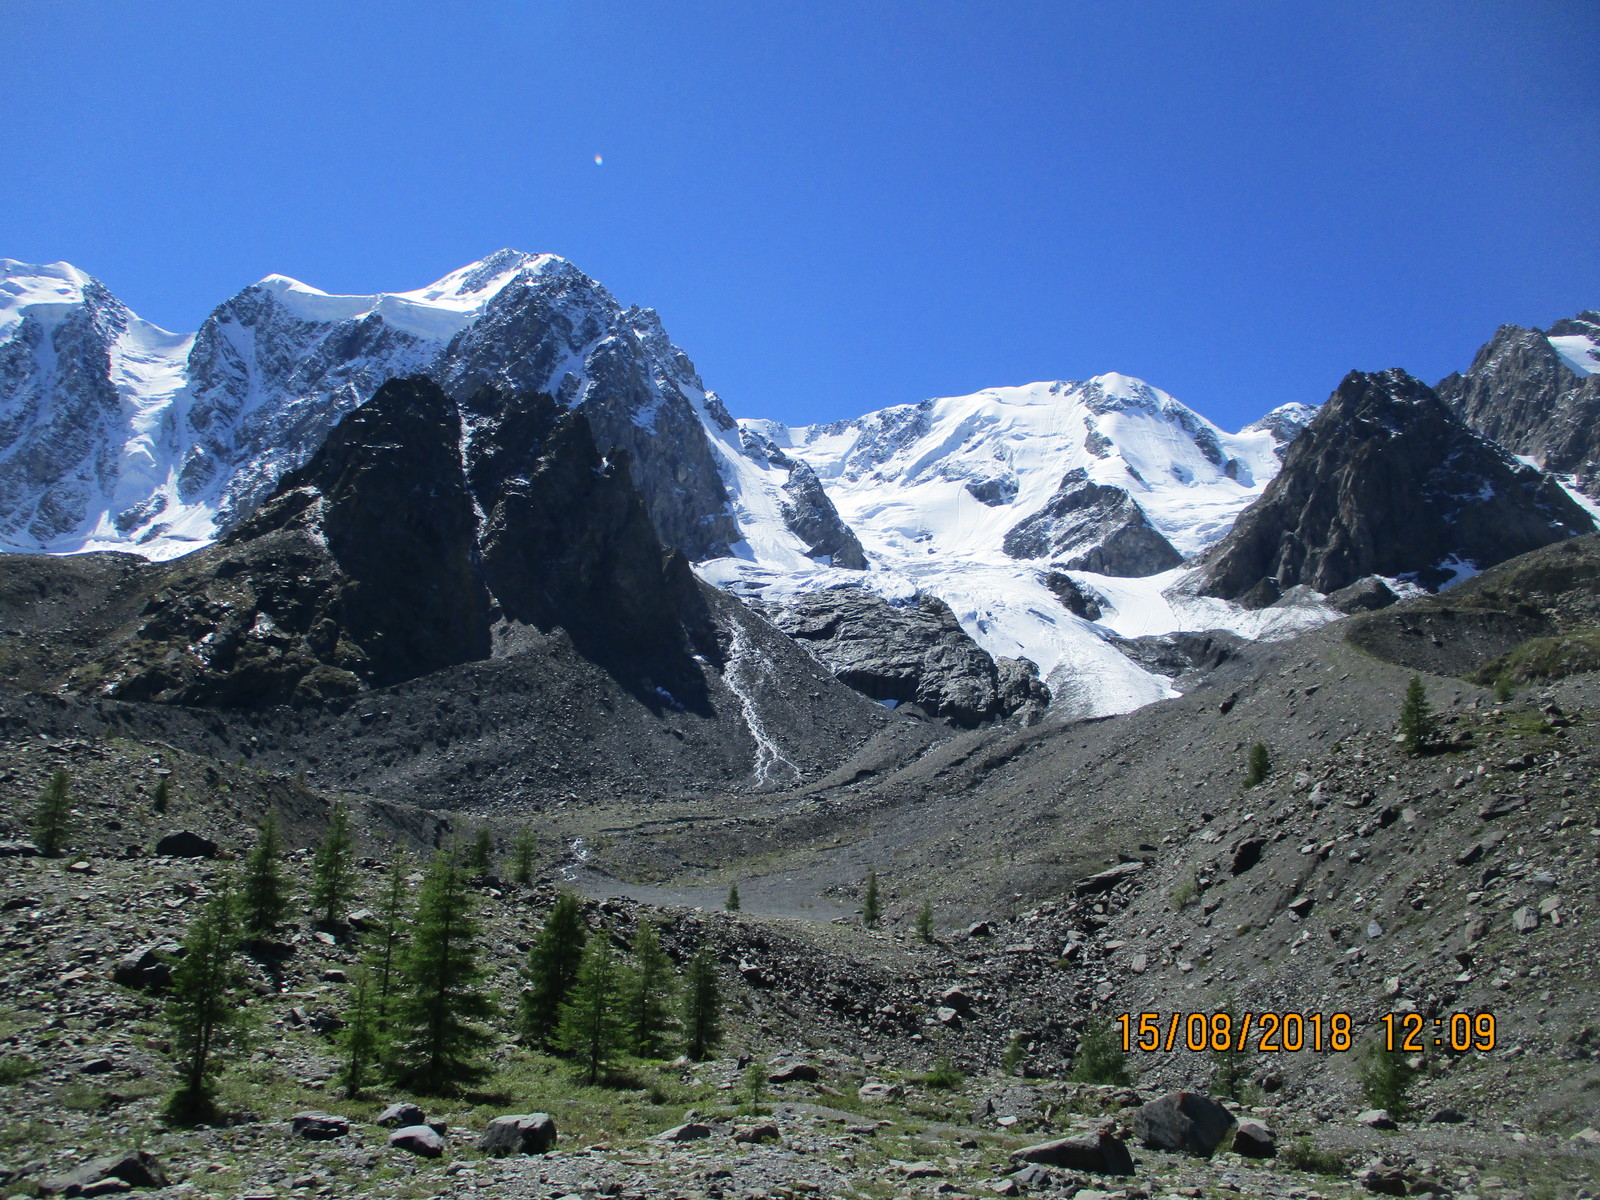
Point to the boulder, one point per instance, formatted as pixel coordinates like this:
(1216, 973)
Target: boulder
(1382, 1178)
(519, 1133)
(755, 1133)
(688, 1132)
(1447, 1116)
(1105, 880)
(1376, 1118)
(418, 1139)
(146, 968)
(1254, 1139)
(401, 1113)
(183, 844)
(1101, 1152)
(793, 1072)
(1189, 1121)
(1525, 919)
(134, 1169)
(317, 1126)
(1246, 855)
(17, 848)
(875, 1091)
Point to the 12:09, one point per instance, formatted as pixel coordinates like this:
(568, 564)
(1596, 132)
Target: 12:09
(1459, 1031)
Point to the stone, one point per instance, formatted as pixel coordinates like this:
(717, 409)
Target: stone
(401, 1113)
(317, 1126)
(1376, 1118)
(18, 848)
(688, 1132)
(147, 968)
(921, 1170)
(519, 1133)
(134, 1169)
(1032, 1176)
(956, 998)
(755, 1134)
(1189, 1121)
(874, 1091)
(422, 1140)
(1101, 1152)
(1104, 881)
(948, 1017)
(795, 1071)
(1254, 1139)
(1003, 1187)
(1525, 919)
(183, 844)
(1382, 1178)
(1447, 1116)
(1246, 855)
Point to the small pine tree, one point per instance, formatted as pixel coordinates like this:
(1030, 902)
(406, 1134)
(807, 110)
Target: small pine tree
(523, 853)
(871, 905)
(1502, 687)
(590, 1027)
(647, 994)
(362, 1036)
(162, 796)
(1416, 717)
(480, 856)
(1230, 1068)
(383, 958)
(733, 903)
(52, 818)
(264, 894)
(204, 1011)
(702, 1007)
(1259, 767)
(1100, 1058)
(437, 1038)
(1385, 1077)
(925, 922)
(553, 963)
(333, 869)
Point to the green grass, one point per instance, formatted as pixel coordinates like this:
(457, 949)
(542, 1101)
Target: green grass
(14, 1068)
(1302, 1154)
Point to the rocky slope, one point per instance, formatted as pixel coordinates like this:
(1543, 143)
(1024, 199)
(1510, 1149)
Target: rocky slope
(1537, 393)
(1386, 481)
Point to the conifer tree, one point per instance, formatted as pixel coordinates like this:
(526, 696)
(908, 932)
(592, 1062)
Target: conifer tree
(590, 1027)
(733, 903)
(1259, 767)
(523, 853)
(702, 1007)
(480, 857)
(162, 796)
(871, 905)
(362, 1036)
(553, 963)
(647, 994)
(383, 959)
(264, 894)
(333, 869)
(204, 1012)
(1416, 717)
(925, 922)
(437, 1040)
(53, 815)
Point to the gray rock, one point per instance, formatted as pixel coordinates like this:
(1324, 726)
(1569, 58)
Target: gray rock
(1079, 599)
(422, 1140)
(875, 1091)
(1447, 1116)
(1104, 881)
(689, 1132)
(1032, 1175)
(921, 1170)
(184, 844)
(317, 1126)
(1525, 919)
(793, 1072)
(1254, 1139)
(401, 1113)
(1189, 1121)
(755, 1134)
(1092, 527)
(1246, 855)
(519, 1133)
(146, 968)
(16, 848)
(1364, 595)
(1376, 1118)
(811, 516)
(134, 1169)
(1101, 1152)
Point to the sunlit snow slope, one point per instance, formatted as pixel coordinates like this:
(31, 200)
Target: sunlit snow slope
(933, 489)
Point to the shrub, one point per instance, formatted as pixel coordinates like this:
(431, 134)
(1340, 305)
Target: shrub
(1259, 766)
(1385, 1077)
(943, 1075)
(1100, 1058)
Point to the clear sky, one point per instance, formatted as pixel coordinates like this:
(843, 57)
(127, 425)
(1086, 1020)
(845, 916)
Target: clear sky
(837, 206)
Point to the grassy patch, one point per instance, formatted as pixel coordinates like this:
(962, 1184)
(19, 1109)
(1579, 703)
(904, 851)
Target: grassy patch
(1302, 1154)
(14, 1068)
(1544, 658)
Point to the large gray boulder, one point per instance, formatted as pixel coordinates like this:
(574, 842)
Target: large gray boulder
(183, 844)
(519, 1133)
(318, 1126)
(1188, 1121)
(1101, 1152)
(135, 1168)
(422, 1140)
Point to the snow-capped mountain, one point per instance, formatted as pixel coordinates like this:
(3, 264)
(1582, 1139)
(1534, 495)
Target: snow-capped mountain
(988, 501)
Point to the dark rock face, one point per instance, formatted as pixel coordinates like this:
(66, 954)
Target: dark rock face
(1522, 394)
(811, 516)
(1364, 595)
(914, 654)
(1077, 598)
(1186, 657)
(1386, 481)
(535, 324)
(1103, 522)
(367, 567)
(1187, 1121)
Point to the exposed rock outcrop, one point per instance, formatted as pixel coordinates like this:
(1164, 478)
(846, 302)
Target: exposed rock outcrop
(1386, 481)
(1537, 392)
(1093, 527)
(908, 654)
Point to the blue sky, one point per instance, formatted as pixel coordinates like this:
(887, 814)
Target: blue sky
(841, 206)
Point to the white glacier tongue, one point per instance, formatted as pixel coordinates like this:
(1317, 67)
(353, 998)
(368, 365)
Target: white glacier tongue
(933, 489)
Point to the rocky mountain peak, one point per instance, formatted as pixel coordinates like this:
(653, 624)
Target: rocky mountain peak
(1386, 481)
